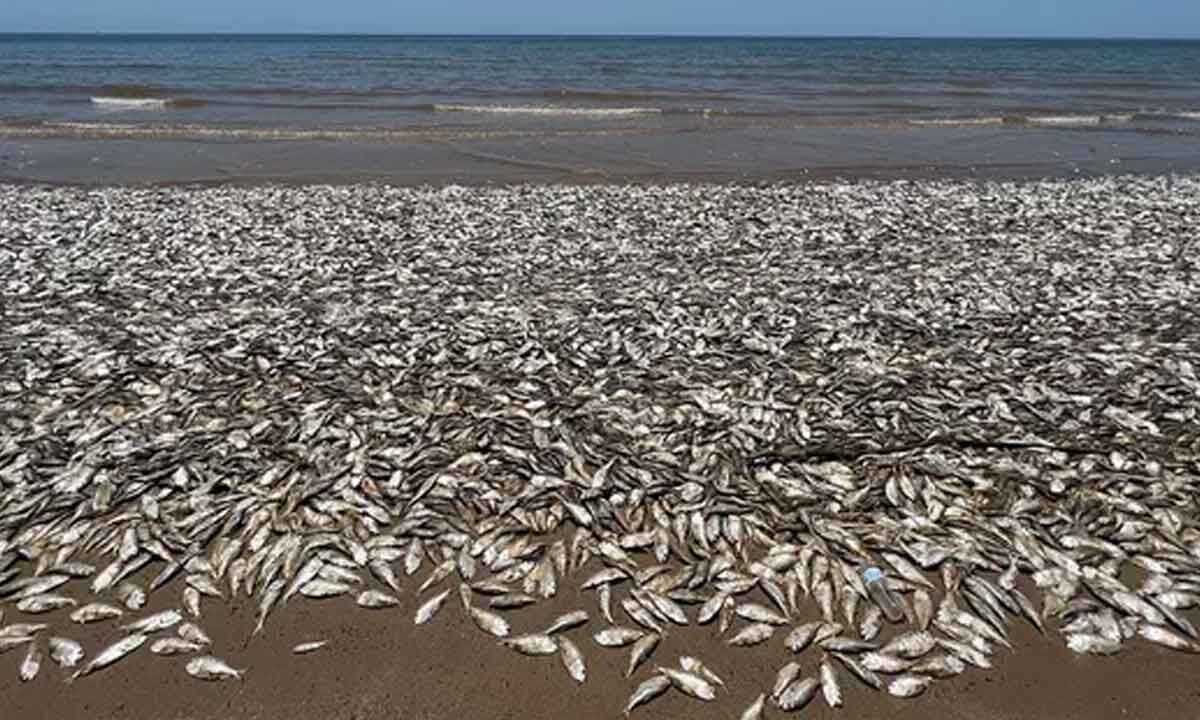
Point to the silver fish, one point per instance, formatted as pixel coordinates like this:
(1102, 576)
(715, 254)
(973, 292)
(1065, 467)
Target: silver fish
(67, 653)
(647, 690)
(797, 695)
(696, 667)
(319, 588)
(690, 684)
(489, 622)
(617, 636)
(375, 599)
(752, 635)
(156, 622)
(112, 654)
(174, 646)
(95, 612)
(306, 647)
(755, 710)
(908, 686)
(756, 613)
(831, 686)
(572, 659)
(32, 663)
(567, 621)
(193, 633)
(641, 651)
(784, 678)
(427, 610)
(536, 644)
(36, 604)
(211, 668)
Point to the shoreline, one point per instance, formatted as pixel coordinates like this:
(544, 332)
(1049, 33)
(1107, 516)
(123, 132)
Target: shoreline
(750, 154)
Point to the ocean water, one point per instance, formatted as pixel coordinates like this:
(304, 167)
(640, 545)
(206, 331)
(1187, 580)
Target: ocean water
(287, 86)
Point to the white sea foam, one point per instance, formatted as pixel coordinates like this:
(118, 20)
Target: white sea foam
(548, 110)
(123, 103)
(959, 121)
(1061, 120)
(1189, 115)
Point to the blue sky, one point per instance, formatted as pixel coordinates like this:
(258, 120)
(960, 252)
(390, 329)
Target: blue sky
(1089, 18)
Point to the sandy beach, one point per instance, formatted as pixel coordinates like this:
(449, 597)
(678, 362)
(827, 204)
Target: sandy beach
(995, 380)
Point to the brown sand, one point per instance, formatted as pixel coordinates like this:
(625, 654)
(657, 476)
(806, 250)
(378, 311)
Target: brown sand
(379, 665)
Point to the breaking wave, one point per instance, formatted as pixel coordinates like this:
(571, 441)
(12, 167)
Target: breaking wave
(1080, 120)
(549, 110)
(144, 103)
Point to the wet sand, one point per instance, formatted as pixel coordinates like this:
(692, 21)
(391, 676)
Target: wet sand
(742, 154)
(378, 666)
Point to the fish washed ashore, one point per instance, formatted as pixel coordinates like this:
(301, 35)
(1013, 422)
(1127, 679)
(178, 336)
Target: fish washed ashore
(397, 444)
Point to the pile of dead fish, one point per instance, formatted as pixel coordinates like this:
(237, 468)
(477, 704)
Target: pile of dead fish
(701, 404)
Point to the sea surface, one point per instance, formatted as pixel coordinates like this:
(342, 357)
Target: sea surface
(422, 82)
(737, 104)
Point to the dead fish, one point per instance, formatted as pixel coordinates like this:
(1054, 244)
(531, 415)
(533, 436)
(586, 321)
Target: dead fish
(489, 622)
(430, 608)
(711, 608)
(696, 667)
(845, 645)
(374, 599)
(21, 629)
(831, 686)
(756, 613)
(690, 684)
(211, 668)
(910, 645)
(908, 686)
(312, 646)
(755, 710)
(784, 679)
(37, 604)
(797, 695)
(67, 653)
(884, 663)
(95, 612)
(642, 649)
(131, 596)
(511, 601)
(867, 677)
(572, 659)
(604, 597)
(112, 654)
(32, 663)
(1167, 638)
(872, 623)
(752, 635)
(15, 641)
(318, 589)
(174, 646)
(648, 690)
(604, 577)
(156, 622)
(1092, 644)
(639, 615)
(193, 633)
(567, 621)
(535, 644)
(191, 601)
(941, 666)
(802, 636)
(617, 636)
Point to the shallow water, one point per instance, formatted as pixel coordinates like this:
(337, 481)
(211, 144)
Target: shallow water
(538, 82)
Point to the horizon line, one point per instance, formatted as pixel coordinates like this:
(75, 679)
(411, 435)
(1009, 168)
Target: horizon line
(646, 35)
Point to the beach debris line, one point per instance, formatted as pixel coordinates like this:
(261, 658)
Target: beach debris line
(869, 431)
